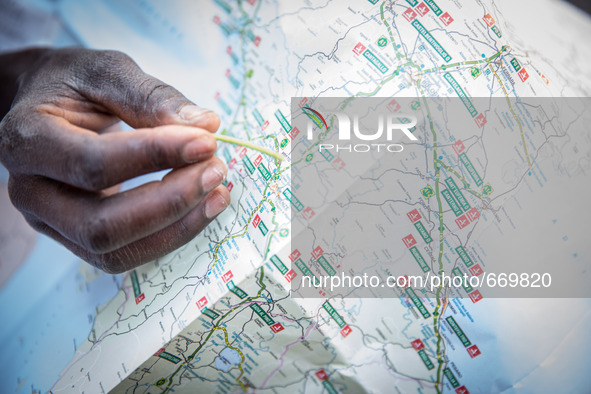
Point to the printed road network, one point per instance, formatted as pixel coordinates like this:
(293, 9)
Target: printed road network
(219, 315)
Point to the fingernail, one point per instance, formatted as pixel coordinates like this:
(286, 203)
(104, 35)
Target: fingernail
(191, 113)
(214, 205)
(200, 148)
(212, 176)
(200, 117)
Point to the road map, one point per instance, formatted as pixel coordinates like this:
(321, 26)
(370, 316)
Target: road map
(222, 314)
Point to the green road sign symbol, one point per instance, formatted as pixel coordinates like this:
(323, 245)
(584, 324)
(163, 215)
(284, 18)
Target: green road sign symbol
(415, 105)
(427, 192)
(496, 30)
(284, 143)
(475, 71)
(487, 189)
(309, 157)
(160, 382)
(284, 232)
(382, 42)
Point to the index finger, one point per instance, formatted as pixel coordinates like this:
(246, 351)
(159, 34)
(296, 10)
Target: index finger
(50, 146)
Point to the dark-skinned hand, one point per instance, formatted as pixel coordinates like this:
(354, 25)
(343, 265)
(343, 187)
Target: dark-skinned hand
(63, 165)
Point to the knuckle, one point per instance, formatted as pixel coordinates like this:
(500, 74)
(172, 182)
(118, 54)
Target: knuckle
(154, 96)
(86, 169)
(11, 141)
(17, 192)
(100, 72)
(110, 62)
(183, 229)
(14, 192)
(116, 57)
(96, 235)
(181, 203)
(123, 69)
(37, 225)
(155, 152)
